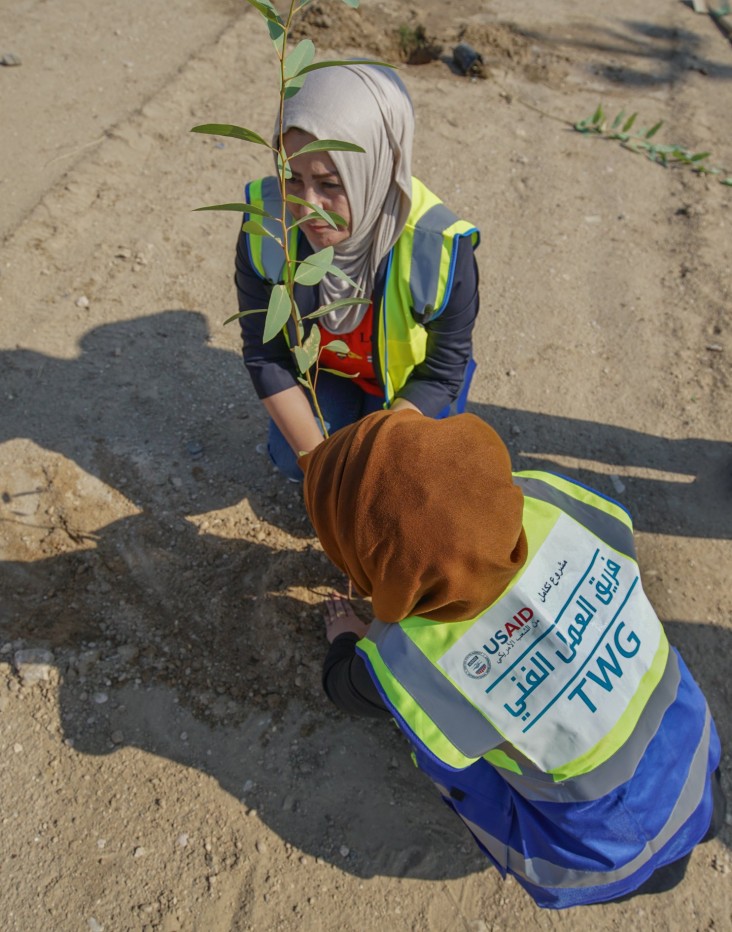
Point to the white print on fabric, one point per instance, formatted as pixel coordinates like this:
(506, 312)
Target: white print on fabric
(567, 648)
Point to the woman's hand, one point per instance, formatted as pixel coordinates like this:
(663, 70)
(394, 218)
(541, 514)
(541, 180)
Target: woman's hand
(341, 618)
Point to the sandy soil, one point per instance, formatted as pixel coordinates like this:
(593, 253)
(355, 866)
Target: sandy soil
(167, 760)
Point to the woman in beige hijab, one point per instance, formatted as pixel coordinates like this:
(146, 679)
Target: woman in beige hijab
(401, 247)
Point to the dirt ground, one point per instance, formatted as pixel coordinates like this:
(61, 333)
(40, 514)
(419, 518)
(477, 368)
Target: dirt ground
(167, 759)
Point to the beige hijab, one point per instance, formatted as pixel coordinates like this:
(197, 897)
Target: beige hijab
(423, 515)
(367, 105)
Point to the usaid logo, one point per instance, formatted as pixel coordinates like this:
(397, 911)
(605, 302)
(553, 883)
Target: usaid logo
(476, 664)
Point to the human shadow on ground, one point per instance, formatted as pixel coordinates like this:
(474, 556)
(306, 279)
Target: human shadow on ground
(677, 487)
(338, 789)
(154, 411)
(638, 53)
(206, 649)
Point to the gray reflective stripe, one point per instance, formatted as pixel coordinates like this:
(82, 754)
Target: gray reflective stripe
(608, 528)
(455, 716)
(424, 274)
(616, 770)
(546, 873)
(273, 256)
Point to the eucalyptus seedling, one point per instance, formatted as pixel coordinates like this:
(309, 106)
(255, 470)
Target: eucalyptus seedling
(623, 129)
(294, 65)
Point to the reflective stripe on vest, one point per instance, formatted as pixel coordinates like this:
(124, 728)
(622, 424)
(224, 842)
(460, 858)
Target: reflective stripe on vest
(266, 255)
(419, 279)
(600, 674)
(419, 276)
(533, 784)
(545, 873)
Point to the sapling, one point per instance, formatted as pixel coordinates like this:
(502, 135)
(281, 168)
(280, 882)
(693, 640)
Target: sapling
(294, 65)
(642, 141)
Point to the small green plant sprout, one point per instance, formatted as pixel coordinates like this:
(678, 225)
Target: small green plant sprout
(641, 140)
(294, 65)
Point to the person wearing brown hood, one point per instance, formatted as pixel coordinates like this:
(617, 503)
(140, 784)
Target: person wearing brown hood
(514, 646)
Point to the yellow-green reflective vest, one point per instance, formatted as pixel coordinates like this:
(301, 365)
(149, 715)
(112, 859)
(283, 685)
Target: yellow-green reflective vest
(552, 678)
(419, 274)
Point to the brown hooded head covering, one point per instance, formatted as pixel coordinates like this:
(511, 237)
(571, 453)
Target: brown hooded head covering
(423, 515)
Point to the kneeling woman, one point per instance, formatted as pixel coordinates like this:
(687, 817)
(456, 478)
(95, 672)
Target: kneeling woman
(515, 648)
(403, 248)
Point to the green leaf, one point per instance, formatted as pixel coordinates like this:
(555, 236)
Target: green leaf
(256, 228)
(308, 274)
(328, 145)
(598, 115)
(654, 129)
(278, 312)
(313, 339)
(266, 9)
(301, 359)
(227, 129)
(256, 310)
(352, 3)
(727, 181)
(239, 208)
(338, 346)
(277, 35)
(312, 270)
(293, 85)
(629, 122)
(288, 170)
(344, 375)
(699, 156)
(342, 302)
(346, 61)
(300, 57)
(618, 119)
(339, 273)
(330, 216)
(306, 354)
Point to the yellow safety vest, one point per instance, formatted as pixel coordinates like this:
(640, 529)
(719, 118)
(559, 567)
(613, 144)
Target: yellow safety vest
(552, 678)
(419, 275)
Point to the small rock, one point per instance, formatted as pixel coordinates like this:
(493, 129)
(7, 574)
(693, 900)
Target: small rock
(182, 840)
(83, 301)
(344, 851)
(617, 485)
(261, 847)
(117, 737)
(100, 698)
(10, 60)
(139, 852)
(33, 665)
(86, 661)
(127, 652)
